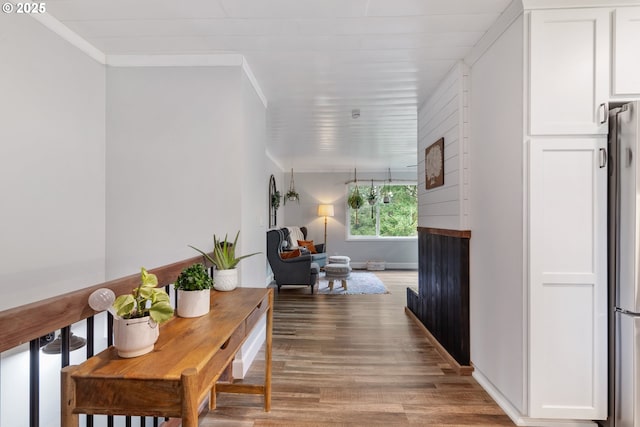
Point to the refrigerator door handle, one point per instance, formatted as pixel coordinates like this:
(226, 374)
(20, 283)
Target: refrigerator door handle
(603, 157)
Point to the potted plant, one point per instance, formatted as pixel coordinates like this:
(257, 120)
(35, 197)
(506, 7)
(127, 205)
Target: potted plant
(225, 260)
(372, 195)
(193, 287)
(355, 200)
(135, 326)
(292, 195)
(275, 199)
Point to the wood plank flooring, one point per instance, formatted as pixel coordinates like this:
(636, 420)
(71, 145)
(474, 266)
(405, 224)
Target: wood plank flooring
(356, 360)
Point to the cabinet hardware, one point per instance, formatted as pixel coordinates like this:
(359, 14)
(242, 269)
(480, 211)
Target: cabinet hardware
(603, 157)
(602, 113)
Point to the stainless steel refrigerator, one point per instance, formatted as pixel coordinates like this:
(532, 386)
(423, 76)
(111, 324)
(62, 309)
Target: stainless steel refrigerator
(624, 265)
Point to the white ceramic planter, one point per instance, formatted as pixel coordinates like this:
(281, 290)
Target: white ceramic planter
(193, 303)
(134, 337)
(225, 280)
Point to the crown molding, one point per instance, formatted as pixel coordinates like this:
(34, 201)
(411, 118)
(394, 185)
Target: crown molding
(206, 60)
(217, 60)
(508, 16)
(68, 35)
(254, 82)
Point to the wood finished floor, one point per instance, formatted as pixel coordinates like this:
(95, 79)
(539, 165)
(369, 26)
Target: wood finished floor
(356, 360)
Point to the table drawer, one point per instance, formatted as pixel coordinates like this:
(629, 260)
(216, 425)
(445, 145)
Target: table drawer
(257, 313)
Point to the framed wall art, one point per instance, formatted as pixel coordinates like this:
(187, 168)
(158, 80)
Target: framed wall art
(434, 164)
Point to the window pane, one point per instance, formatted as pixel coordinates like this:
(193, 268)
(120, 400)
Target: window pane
(365, 225)
(400, 217)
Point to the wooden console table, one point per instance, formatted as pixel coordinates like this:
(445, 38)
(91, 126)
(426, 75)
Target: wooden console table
(180, 372)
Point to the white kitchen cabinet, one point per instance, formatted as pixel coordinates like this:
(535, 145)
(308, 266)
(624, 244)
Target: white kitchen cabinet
(626, 55)
(568, 280)
(569, 71)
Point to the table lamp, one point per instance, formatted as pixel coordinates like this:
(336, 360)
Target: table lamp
(325, 211)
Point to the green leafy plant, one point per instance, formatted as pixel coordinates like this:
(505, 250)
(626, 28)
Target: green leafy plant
(145, 300)
(275, 199)
(193, 278)
(292, 196)
(224, 253)
(355, 200)
(372, 195)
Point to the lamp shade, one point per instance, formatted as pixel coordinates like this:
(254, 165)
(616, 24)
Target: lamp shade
(325, 210)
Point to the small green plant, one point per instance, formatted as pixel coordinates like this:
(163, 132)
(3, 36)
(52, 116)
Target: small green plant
(355, 200)
(224, 253)
(292, 196)
(275, 199)
(145, 300)
(193, 278)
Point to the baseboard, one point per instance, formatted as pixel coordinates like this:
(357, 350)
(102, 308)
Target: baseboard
(515, 415)
(460, 369)
(250, 349)
(362, 265)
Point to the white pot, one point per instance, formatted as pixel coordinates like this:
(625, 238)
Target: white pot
(193, 303)
(134, 337)
(225, 280)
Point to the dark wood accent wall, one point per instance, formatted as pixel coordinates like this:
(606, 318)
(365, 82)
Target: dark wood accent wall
(442, 301)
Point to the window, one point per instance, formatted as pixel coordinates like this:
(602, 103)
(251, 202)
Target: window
(396, 219)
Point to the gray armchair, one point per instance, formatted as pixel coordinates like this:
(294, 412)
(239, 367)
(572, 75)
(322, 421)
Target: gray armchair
(320, 258)
(293, 271)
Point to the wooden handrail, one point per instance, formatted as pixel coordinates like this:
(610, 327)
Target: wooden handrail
(27, 322)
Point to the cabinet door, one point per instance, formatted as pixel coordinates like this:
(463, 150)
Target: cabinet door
(626, 55)
(567, 279)
(569, 71)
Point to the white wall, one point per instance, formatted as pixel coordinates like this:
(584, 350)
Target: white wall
(330, 188)
(445, 115)
(185, 157)
(254, 187)
(52, 178)
(496, 245)
(52, 173)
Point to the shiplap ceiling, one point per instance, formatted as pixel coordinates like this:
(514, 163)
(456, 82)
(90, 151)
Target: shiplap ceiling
(315, 60)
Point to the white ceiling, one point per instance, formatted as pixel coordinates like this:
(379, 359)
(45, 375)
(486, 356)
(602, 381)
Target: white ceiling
(315, 61)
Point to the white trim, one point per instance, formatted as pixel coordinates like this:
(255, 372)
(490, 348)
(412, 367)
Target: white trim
(362, 265)
(254, 81)
(218, 60)
(68, 35)
(247, 354)
(274, 160)
(567, 4)
(515, 415)
(503, 22)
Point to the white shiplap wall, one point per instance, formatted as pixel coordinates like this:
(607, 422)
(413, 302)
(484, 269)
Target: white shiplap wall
(445, 114)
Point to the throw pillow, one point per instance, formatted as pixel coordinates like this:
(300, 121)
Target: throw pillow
(290, 254)
(309, 245)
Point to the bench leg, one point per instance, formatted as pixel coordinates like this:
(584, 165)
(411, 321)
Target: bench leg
(344, 284)
(331, 284)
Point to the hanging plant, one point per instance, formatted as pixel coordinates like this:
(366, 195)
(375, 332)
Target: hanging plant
(355, 200)
(292, 195)
(372, 198)
(386, 191)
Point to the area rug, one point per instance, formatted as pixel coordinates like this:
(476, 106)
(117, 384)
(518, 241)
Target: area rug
(359, 282)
